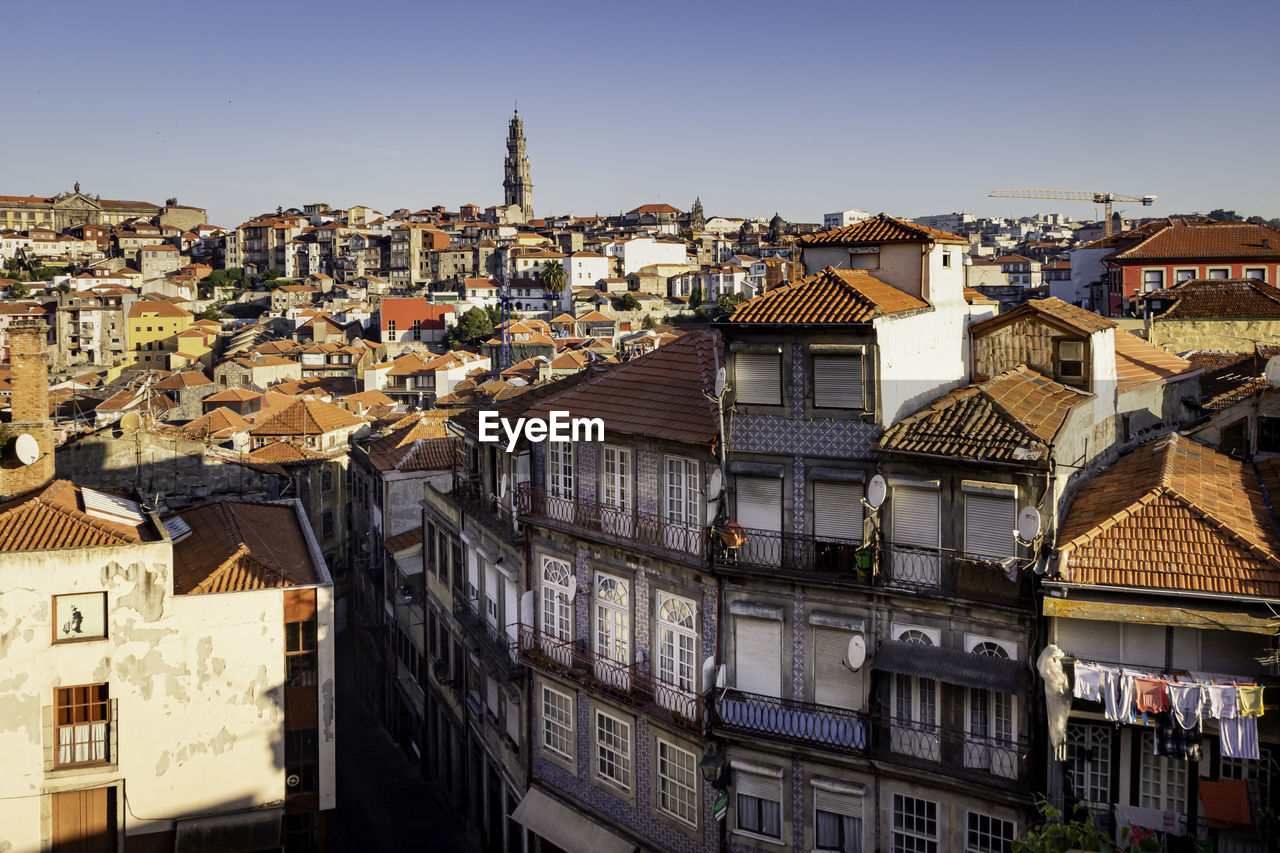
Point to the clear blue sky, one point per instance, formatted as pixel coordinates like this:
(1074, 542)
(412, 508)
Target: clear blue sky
(911, 108)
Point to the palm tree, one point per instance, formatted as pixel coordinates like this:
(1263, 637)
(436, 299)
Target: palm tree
(553, 277)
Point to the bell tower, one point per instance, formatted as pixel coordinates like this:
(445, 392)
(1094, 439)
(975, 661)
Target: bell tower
(517, 187)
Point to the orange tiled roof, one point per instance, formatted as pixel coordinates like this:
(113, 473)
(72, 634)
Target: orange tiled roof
(306, 417)
(55, 518)
(404, 541)
(236, 546)
(1051, 308)
(832, 296)
(1014, 416)
(1219, 299)
(1139, 362)
(217, 421)
(233, 395)
(880, 229)
(1207, 240)
(1177, 515)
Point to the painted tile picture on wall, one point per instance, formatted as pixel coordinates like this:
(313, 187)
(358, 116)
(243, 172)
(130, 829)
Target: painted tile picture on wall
(80, 616)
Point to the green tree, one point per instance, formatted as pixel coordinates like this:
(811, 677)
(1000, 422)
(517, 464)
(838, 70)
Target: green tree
(695, 298)
(1055, 834)
(471, 328)
(649, 322)
(630, 303)
(553, 277)
(21, 290)
(210, 313)
(728, 301)
(1221, 215)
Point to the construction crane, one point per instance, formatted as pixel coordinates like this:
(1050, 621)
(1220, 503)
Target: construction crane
(1105, 199)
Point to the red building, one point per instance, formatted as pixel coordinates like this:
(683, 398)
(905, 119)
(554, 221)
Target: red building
(1182, 250)
(414, 319)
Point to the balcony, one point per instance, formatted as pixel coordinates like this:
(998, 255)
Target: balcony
(630, 528)
(794, 721)
(486, 506)
(629, 683)
(494, 644)
(848, 562)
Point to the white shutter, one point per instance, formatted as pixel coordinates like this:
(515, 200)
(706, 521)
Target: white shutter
(915, 516)
(513, 720)
(759, 503)
(756, 785)
(849, 805)
(1089, 640)
(758, 377)
(837, 511)
(989, 521)
(473, 569)
(491, 695)
(833, 683)
(1143, 645)
(837, 381)
(510, 611)
(758, 656)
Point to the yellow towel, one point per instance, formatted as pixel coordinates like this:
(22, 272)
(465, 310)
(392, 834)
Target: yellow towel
(1249, 700)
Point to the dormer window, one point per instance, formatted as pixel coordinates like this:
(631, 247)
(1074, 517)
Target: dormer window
(1069, 361)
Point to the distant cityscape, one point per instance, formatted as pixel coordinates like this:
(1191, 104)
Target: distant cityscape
(929, 534)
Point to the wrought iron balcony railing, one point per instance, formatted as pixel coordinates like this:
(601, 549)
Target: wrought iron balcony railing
(488, 507)
(795, 721)
(632, 528)
(492, 641)
(628, 682)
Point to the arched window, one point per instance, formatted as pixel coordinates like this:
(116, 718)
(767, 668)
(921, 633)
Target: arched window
(677, 642)
(916, 637)
(557, 616)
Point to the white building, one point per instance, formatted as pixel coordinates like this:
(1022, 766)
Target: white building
(639, 252)
(841, 218)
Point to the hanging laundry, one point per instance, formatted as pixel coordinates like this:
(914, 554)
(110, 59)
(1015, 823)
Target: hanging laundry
(1249, 700)
(1152, 695)
(1088, 682)
(1117, 695)
(1173, 741)
(1187, 701)
(1226, 803)
(1220, 700)
(1239, 737)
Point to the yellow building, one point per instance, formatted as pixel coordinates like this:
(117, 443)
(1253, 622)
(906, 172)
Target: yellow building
(153, 328)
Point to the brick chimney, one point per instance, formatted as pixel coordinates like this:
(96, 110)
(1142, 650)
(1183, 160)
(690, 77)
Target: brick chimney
(29, 402)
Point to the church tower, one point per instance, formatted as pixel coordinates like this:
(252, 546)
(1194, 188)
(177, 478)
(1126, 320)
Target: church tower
(516, 184)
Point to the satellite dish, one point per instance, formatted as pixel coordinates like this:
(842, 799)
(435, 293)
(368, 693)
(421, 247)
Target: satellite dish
(1272, 371)
(877, 490)
(26, 448)
(715, 483)
(130, 423)
(856, 656)
(713, 509)
(573, 591)
(719, 380)
(526, 608)
(720, 678)
(502, 485)
(708, 672)
(1028, 524)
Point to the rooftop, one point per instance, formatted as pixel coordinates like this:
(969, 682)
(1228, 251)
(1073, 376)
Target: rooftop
(1219, 299)
(830, 297)
(1209, 240)
(1055, 311)
(235, 546)
(307, 416)
(880, 229)
(57, 517)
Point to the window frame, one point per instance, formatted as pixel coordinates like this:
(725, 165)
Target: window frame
(677, 786)
(300, 653)
(567, 724)
(84, 706)
(1058, 361)
(995, 831)
(304, 744)
(860, 358)
(915, 839)
(671, 664)
(684, 491)
(741, 359)
(758, 830)
(611, 620)
(606, 749)
(556, 594)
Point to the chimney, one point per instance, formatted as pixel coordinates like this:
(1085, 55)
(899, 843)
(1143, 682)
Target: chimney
(29, 402)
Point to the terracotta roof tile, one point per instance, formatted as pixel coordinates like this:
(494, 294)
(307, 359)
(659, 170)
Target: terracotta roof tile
(284, 453)
(236, 546)
(1207, 240)
(233, 395)
(830, 297)
(404, 541)
(1139, 362)
(1173, 514)
(1014, 416)
(306, 417)
(216, 422)
(880, 229)
(55, 518)
(1219, 299)
(1053, 308)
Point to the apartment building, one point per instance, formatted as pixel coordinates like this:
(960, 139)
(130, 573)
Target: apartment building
(152, 328)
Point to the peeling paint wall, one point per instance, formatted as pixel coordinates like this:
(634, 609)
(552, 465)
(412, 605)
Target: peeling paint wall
(197, 683)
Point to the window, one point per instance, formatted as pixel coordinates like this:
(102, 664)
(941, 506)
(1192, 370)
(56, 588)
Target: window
(915, 825)
(837, 512)
(833, 683)
(557, 615)
(677, 642)
(837, 381)
(1152, 280)
(758, 377)
(616, 485)
(557, 722)
(300, 653)
(1089, 762)
(1162, 784)
(1221, 272)
(946, 259)
(915, 708)
(757, 655)
(1260, 273)
(300, 832)
(683, 492)
(326, 523)
(1070, 361)
(613, 620)
(301, 759)
(987, 834)
(1258, 772)
(837, 821)
(613, 750)
(990, 517)
(560, 469)
(677, 783)
(991, 724)
(391, 327)
(326, 480)
(759, 803)
(914, 517)
(81, 716)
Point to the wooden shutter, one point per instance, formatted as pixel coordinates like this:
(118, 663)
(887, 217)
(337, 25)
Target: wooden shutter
(1089, 640)
(759, 503)
(84, 821)
(758, 377)
(837, 381)
(849, 805)
(757, 785)
(915, 516)
(833, 683)
(837, 511)
(758, 655)
(989, 521)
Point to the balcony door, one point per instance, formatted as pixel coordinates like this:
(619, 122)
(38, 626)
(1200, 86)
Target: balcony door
(914, 731)
(916, 532)
(759, 510)
(990, 726)
(613, 632)
(677, 652)
(560, 482)
(616, 511)
(682, 530)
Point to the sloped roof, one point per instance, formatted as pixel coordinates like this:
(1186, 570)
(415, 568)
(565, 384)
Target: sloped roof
(1229, 377)
(235, 546)
(232, 395)
(1173, 514)
(1051, 308)
(403, 542)
(830, 297)
(880, 229)
(1014, 416)
(1180, 239)
(214, 422)
(1139, 362)
(306, 417)
(661, 394)
(1219, 299)
(55, 517)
